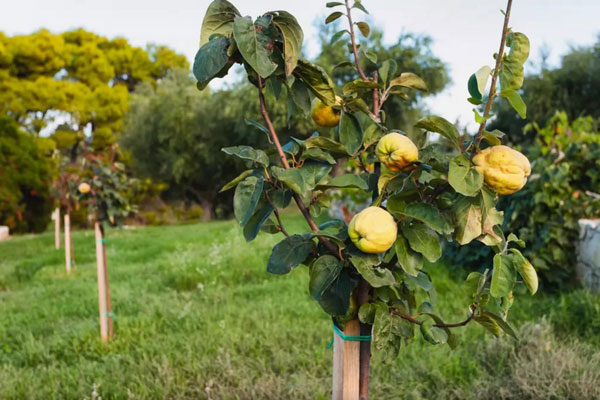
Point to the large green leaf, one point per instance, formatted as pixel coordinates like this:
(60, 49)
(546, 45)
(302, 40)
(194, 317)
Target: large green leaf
(443, 127)
(218, 20)
(410, 261)
(325, 143)
(429, 215)
(317, 81)
(323, 272)
(248, 153)
(526, 270)
(350, 132)
(255, 222)
(478, 81)
(316, 153)
(488, 323)
(388, 331)
(423, 240)
(293, 179)
(433, 334)
(245, 199)
(313, 172)
(344, 181)
(236, 180)
(292, 38)
(211, 61)
(409, 80)
(500, 322)
(253, 45)
(335, 300)
(289, 253)
(463, 177)
(366, 265)
(511, 73)
(503, 277)
(515, 101)
(468, 216)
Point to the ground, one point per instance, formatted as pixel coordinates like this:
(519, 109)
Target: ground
(197, 316)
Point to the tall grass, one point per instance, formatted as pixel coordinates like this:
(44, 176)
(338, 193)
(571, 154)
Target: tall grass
(197, 316)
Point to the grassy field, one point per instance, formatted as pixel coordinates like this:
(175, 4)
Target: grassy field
(197, 316)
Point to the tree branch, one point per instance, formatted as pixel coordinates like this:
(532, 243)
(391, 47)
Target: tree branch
(455, 325)
(311, 222)
(353, 39)
(492, 93)
(276, 211)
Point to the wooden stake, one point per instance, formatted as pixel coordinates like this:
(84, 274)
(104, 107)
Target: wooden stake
(337, 392)
(351, 362)
(56, 218)
(107, 286)
(68, 243)
(101, 281)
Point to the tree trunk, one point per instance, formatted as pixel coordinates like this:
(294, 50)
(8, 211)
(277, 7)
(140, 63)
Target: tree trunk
(207, 210)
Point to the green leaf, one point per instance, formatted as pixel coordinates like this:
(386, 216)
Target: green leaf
(511, 73)
(526, 270)
(515, 101)
(409, 80)
(359, 85)
(248, 153)
(335, 300)
(317, 81)
(245, 199)
(293, 179)
(316, 153)
(429, 215)
(325, 143)
(337, 36)
(433, 334)
(292, 38)
(443, 127)
(500, 322)
(258, 125)
(468, 218)
(350, 132)
(364, 28)
(218, 20)
(519, 46)
(289, 253)
(366, 267)
(488, 323)
(366, 313)
(270, 226)
(237, 180)
(388, 331)
(494, 137)
(421, 280)
(357, 4)
(463, 177)
(333, 16)
(344, 181)
(301, 95)
(210, 61)
(280, 198)
(333, 4)
(252, 44)
(410, 261)
(387, 70)
(478, 81)
(314, 172)
(323, 272)
(503, 277)
(255, 222)
(423, 240)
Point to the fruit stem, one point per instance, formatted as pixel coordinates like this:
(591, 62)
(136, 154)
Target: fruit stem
(492, 93)
(311, 222)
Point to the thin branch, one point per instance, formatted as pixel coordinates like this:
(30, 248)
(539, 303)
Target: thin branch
(353, 39)
(311, 222)
(499, 57)
(276, 211)
(455, 325)
(439, 189)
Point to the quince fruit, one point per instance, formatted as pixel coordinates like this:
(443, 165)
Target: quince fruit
(373, 230)
(397, 152)
(84, 188)
(505, 170)
(327, 116)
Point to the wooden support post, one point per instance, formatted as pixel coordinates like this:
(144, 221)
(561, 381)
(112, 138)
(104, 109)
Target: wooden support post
(109, 315)
(56, 218)
(346, 364)
(68, 243)
(101, 281)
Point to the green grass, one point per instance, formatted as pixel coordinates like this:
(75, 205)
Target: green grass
(197, 316)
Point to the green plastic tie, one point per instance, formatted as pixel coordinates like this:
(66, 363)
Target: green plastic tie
(103, 240)
(109, 314)
(348, 338)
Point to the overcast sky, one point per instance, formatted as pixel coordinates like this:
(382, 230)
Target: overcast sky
(465, 32)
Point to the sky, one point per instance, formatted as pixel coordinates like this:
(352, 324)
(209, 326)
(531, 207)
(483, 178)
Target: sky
(465, 33)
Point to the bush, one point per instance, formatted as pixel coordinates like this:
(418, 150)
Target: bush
(561, 190)
(25, 204)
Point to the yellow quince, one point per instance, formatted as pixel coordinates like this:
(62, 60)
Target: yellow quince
(327, 116)
(84, 188)
(373, 230)
(505, 170)
(397, 152)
